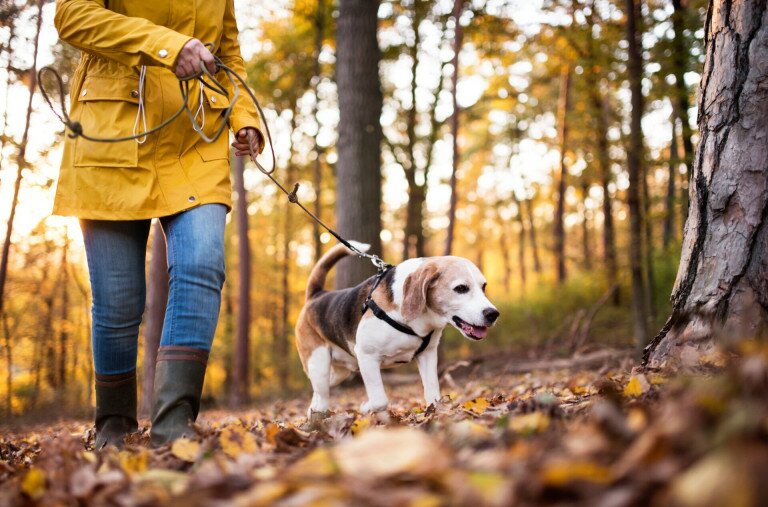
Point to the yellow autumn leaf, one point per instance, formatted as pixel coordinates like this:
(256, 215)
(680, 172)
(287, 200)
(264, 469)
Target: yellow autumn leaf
(318, 464)
(492, 487)
(271, 432)
(235, 440)
(185, 449)
(565, 472)
(477, 406)
(636, 386)
(133, 463)
(527, 424)
(33, 483)
(360, 425)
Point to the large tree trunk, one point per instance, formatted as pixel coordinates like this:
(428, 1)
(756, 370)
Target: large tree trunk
(458, 6)
(358, 193)
(157, 300)
(635, 169)
(563, 107)
(721, 291)
(20, 159)
(240, 370)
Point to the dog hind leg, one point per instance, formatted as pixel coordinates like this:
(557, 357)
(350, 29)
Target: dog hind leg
(319, 373)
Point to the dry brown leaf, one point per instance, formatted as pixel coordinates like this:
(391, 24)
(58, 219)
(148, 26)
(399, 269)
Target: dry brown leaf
(186, 449)
(235, 440)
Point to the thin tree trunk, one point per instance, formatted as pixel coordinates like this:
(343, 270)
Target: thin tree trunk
(650, 282)
(635, 169)
(521, 243)
(358, 196)
(64, 317)
(20, 159)
(680, 55)
(585, 239)
(317, 174)
(7, 50)
(157, 300)
(721, 295)
(669, 212)
(458, 7)
(527, 208)
(8, 368)
(240, 373)
(563, 107)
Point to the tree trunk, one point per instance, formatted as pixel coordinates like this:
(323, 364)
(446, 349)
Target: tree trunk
(635, 169)
(585, 240)
(358, 195)
(563, 107)
(240, 369)
(317, 174)
(458, 6)
(669, 203)
(521, 244)
(20, 159)
(157, 300)
(8, 368)
(721, 291)
(64, 325)
(650, 282)
(681, 52)
(526, 208)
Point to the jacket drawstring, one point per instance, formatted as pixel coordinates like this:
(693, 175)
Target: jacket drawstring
(142, 110)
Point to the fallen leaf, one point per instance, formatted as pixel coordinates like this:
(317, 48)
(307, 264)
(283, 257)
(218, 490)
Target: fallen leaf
(359, 425)
(478, 406)
(636, 386)
(235, 440)
(527, 424)
(185, 449)
(33, 483)
(560, 473)
(380, 453)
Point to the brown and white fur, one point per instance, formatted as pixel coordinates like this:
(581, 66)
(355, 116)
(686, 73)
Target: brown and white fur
(335, 339)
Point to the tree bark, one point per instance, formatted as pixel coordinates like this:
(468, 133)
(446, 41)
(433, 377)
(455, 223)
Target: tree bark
(721, 292)
(20, 159)
(563, 107)
(358, 195)
(157, 300)
(240, 368)
(64, 326)
(527, 209)
(458, 6)
(586, 243)
(8, 368)
(635, 169)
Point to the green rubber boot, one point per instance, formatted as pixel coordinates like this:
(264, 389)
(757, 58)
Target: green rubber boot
(179, 379)
(115, 408)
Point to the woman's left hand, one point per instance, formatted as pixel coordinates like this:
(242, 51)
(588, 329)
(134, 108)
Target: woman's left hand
(245, 137)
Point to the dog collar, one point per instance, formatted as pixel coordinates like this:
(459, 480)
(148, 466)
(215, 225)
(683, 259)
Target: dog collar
(382, 315)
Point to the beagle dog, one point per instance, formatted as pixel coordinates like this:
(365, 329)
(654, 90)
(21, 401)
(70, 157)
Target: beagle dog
(389, 319)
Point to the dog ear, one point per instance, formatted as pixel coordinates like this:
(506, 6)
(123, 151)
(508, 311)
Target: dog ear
(416, 288)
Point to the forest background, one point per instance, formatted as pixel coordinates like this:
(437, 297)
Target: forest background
(546, 180)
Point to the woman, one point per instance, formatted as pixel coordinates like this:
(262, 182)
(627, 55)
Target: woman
(134, 52)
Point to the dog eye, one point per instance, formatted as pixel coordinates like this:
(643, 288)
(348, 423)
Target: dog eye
(461, 289)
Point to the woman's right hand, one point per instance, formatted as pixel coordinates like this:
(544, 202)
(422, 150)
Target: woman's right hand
(190, 56)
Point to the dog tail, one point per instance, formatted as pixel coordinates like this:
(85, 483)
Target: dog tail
(317, 277)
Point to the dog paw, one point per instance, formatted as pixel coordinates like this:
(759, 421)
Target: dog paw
(371, 407)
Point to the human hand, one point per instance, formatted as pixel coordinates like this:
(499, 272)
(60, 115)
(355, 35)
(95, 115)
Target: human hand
(245, 137)
(190, 56)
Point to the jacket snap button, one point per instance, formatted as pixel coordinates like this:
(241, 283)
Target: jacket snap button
(134, 93)
(84, 93)
(163, 53)
(191, 198)
(213, 99)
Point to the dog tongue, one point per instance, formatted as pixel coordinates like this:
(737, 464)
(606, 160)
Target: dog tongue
(474, 331)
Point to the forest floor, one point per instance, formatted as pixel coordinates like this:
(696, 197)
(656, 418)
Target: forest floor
(585, 430)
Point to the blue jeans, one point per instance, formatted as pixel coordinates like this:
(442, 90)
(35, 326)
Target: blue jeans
(116, 252)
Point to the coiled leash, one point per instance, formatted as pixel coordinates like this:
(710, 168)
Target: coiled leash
(207, 80)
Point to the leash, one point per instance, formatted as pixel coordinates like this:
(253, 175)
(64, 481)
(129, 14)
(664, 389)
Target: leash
(212, 83)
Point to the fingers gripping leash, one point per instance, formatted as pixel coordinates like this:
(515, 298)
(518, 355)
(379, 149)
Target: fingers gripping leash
(208, 80)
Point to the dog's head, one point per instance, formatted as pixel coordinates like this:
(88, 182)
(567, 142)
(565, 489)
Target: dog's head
(452, 289)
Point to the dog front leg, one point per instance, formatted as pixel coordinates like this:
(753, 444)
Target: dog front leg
(370, 370)
(427, 362)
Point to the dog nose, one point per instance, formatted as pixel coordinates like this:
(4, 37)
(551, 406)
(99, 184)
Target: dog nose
(491, 314)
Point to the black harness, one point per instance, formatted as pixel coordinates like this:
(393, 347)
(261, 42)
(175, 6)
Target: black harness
(382, 315)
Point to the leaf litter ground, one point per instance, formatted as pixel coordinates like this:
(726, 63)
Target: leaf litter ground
(604, 435)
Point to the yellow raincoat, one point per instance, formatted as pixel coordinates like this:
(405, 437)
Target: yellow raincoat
(174, 169)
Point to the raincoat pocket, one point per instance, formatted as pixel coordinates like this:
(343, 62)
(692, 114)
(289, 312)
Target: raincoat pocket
(215, 104)
(108, 108)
